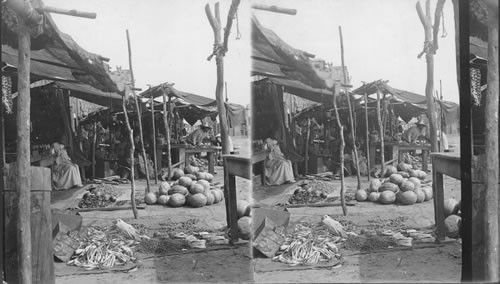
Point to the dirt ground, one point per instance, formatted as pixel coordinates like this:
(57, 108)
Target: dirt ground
(224, 263)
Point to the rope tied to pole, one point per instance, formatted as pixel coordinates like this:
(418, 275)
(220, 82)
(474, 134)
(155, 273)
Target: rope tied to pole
(218, 48)
(428, 47)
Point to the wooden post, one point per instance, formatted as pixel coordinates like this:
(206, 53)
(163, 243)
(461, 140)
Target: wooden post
(351, 119)
(491, 262)
(441, 116)
(275, 9)
(215, 23)
(367, 136)
(132, 150)
(381, 131)
(431, 46)
(154, 138)
(306, 166)
(66, 120)
(2, 181)
(94, 145)
(167, 132)
(342, 145)
(23, 183)
(138, 110)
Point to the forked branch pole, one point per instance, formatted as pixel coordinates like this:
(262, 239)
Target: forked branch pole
(131, 153)
(167, 132)
(229, 24)
(342, 146)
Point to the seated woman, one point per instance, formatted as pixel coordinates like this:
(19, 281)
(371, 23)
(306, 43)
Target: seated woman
(65, 174)
(277, 169)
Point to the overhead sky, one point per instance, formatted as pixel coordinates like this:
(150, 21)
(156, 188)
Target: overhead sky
(382, 39)
(170, 39)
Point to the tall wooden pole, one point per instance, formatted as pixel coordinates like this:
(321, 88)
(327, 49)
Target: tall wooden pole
(351, 119)
(431, 46)
(219, 51)
(492, 171)
(2, 182)
(367, 136)
(23, 180)
(131, 154)
(307, 146)
(381, 131)
(167, 133)
(139, 115)
(441, 116)
(154, 138)
(342, 146)
(94, 145)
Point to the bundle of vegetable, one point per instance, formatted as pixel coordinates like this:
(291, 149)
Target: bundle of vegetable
(308, 244)
(103, 248)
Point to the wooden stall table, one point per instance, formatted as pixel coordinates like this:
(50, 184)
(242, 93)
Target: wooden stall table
(442, 164)
(180, 153)
(396, 147)
(234, 165)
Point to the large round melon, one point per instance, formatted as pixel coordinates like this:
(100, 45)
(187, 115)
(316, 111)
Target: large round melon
(196, 188)
(191, 176)
(374, 196)
(163, 188)
(177, 173)
(196, 200)
(163, 199)
(421, 174)
(396, 179)
(150, 198)
(407, 186)
(245, 227)
(178, 189)
(374, 185)
(452, 226)
(413, 173)
(361, 195)
(416, 181)
(185, 181)
(428, 193)
(210, 197)
(176, 200)
(403, 167)
(216, 195)
(387, 197)
(404, 174)
(408, 198)
(389, 170)
(191, 169)
(450, 206)
(209, 177)
(420, 195)
(206, 184)
(221, 193)
(242, 208)
(201, 175)
(389, 186)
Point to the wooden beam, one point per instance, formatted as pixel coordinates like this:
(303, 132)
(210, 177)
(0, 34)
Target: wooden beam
(25, 10)
(367, 136)
(275, 9)
(154, 138)
(67, 12)
(23, 180)
(381, 134)
(491, 261)
(139, 116)
(167, 132)
(351, 119)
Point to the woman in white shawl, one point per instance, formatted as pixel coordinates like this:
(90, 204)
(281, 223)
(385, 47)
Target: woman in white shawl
(65, 174)
(278, 170)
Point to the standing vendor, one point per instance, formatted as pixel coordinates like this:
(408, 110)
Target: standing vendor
(196, 137)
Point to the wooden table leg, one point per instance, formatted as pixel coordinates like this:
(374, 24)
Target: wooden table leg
(438, 193)
(425, 156)
(211, 162)
(373, 154)
(230, 202)
(263, 173)
(395, 154)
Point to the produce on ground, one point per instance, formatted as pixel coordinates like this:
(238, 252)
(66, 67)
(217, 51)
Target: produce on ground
(102, 195)
(245, 227)
(451, 206)
(452, 225)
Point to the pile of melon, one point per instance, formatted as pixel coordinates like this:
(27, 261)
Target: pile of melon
(401, 184)
(193, 189)
(243, 209)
